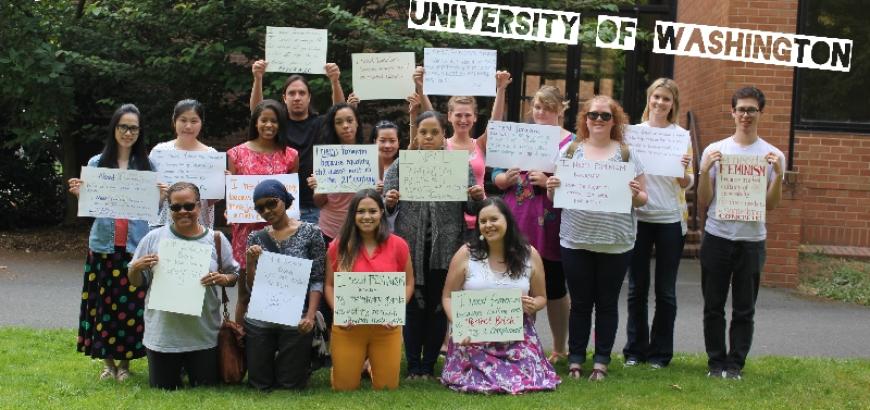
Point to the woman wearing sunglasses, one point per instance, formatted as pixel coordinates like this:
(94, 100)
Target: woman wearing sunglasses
(175, 341)
(265, 153)
(279, 356)
(596, 246)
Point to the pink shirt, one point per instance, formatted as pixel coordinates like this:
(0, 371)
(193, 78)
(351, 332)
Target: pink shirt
(333, 214)
(390, 256)
(477, 160)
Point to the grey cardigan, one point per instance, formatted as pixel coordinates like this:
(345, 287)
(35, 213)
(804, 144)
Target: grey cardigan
(446, 219)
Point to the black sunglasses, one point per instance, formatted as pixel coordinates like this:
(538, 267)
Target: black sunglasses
(269, 204)
(190, 206)
(594, 115)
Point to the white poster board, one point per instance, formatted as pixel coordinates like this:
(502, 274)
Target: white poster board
(118, 193)
(529, 147)
(296, 50)
(741, 188)
(205, 169)
(433, 175)
(383, 76)
(660, 150)
(369, 298)
(487, 315)
(345, 168)
(240, 196)
(453, 71)
(600, 186)
(280, 287)
(176, 285)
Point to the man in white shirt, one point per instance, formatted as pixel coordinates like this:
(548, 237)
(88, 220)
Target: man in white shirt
(733, 251)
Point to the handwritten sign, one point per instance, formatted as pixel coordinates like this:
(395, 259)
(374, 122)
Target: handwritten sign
(118, 193)
(175, 286)
(741, 188)
(205, 169)
(280, 287)
(487, 315)
(594, 185)
(433, 175)
(660, 150)
(345, 168)
(383, 76)
(240, 196)
(451, 71)
(370, 298)
(296, 50)
(529, 147)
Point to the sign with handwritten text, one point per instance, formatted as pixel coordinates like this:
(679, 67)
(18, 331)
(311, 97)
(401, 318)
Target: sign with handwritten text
(741, 188)
(529, 147)
(345, 168)
(370, 298)
(453, 71)
(296, 50)
(280, 287)
(176, 284)
(433, 175)
(240, 196)
(205, 169)
(660, 150)
(594, 185)
(383, 76)
(118, 193)
(487, 315)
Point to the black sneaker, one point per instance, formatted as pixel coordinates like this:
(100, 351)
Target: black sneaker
(734, 374)
(716, 373)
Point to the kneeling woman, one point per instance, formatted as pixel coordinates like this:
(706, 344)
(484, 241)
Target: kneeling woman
(365, 244)
(499, 257)
(279, 356)
(175, 341)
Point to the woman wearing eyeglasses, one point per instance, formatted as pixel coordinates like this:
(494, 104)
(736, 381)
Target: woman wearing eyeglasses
(176, 341)
(279, 356)
(596, 246)
(110, 320)
(263, 154)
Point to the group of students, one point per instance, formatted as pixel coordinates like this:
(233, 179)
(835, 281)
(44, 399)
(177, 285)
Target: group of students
(570, 262)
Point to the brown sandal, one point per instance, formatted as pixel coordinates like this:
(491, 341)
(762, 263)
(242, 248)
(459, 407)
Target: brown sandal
(597, 375)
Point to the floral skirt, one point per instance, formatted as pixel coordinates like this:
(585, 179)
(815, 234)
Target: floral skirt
(111, 321)
(500, 367)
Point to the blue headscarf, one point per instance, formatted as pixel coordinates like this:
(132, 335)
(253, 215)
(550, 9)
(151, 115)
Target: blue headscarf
(271, 188)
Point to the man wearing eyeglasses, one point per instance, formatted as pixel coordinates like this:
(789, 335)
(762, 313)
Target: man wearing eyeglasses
(733, 251)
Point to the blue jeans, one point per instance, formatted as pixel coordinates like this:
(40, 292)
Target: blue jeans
(309, 214)
(735, 264)
(656, 346)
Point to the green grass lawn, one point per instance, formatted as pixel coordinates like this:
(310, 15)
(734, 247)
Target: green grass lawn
(40, 369)
(835, 278)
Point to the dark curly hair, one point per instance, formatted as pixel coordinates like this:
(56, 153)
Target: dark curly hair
(517, 250)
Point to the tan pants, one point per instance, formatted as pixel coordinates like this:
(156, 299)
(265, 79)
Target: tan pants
(350, 348)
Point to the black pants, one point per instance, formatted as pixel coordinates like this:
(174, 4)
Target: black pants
(164, 369)
(594, 280)
(554, 279)
(324, 308)
(277, 357)
(735, 264)
(425, 322)
(656, 345)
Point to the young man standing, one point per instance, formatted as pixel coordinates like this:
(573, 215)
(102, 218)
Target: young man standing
(733, 251)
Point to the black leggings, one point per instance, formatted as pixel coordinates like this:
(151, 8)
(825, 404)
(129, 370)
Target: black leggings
(164, 369)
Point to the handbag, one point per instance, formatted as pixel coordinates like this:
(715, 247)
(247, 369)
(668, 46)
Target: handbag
(231, 337)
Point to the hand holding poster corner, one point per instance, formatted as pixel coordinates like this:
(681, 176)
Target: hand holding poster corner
(524, 146)
(383, 76)
(741, 188)
(240, 196)
(118, 193)
(280, 288)
(600, 186)
(369, 298)
(204, 169)
(345, 168)
(451, 71)
(433, 175)
(487, 315)
(660, 150)
(296, 50)
(176, 284)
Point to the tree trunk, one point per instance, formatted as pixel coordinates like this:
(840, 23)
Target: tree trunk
(71, 169)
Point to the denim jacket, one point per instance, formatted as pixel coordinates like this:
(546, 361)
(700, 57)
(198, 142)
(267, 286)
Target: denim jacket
(102, 236)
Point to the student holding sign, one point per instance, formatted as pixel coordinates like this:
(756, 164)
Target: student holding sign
(499, 257)
(733, 250)
(433, 230)
(114, 335)
(278, 355)
(187, 119)
(175, 341)
(596, 245)
(366, 245)
(661, 222)
(525, 196)
(303, 123)
(265, 153)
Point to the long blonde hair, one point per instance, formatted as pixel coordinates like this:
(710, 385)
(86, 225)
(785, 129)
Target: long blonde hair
(671, 86)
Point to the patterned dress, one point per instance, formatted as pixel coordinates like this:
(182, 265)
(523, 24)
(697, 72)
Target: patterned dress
(498, 367)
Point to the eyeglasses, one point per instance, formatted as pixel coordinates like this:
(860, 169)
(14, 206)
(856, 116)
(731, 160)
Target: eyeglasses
(594, 115)
(190, 206)
(750, 111)
(134, 129)
(269, 204)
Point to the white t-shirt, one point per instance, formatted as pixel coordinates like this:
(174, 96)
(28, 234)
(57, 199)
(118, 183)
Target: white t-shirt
(738, 230)
(666, 201)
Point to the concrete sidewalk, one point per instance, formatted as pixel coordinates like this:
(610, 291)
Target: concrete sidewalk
(43, 290)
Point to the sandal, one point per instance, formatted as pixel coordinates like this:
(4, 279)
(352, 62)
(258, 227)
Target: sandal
(122, 374)
(108, 373)
(556, 357)
(597, 375)
(575, 371)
